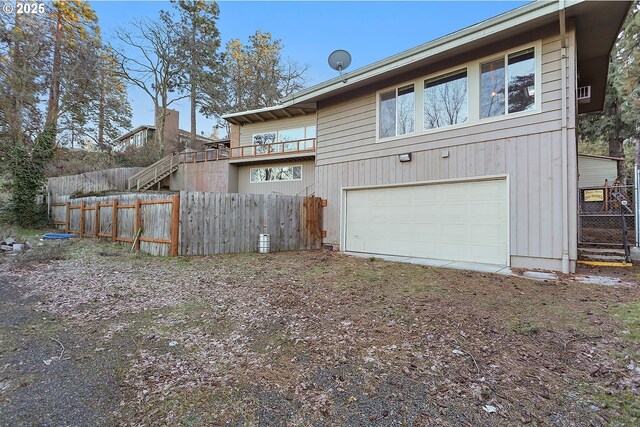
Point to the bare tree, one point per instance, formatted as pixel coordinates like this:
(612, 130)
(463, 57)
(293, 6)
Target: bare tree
(148, 59)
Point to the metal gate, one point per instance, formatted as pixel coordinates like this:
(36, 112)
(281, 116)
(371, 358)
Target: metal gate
(607, 215)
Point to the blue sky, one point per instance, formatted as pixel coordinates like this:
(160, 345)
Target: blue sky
(310, 31)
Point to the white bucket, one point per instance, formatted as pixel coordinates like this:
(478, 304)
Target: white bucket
(264, 243)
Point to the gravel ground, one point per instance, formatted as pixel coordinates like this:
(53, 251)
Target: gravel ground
(38, 387)
(307, 338)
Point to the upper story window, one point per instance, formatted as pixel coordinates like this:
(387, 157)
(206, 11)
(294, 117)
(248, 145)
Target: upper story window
(483, 90)
(291, 139)
(514, 71)
(446, 100)
(397, 112)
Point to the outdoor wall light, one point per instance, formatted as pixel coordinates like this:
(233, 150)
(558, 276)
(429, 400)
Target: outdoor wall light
(405, 157)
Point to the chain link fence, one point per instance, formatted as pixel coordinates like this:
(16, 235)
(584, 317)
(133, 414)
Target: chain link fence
(606, 215)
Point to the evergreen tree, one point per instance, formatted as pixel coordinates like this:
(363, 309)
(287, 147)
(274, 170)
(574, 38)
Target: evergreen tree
(199, 40)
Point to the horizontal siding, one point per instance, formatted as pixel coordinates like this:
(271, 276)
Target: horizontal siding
(247, 131)
(593, 171)
(303, 187)
(346, 131)
(527, 149)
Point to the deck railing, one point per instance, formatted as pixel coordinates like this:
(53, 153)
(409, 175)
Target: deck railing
(274, 149)
(161, 168)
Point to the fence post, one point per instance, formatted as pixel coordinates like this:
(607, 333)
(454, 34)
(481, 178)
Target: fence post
(82, 219)
(137, 223)
(636, 202)
(175, 224)
(114, 220)
(68, 218)
(96, 222)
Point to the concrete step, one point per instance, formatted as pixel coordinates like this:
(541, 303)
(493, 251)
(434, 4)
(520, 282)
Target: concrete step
(610, 258)
(603, 251)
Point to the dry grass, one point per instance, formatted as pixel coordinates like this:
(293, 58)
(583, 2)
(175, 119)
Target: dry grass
(321, 338)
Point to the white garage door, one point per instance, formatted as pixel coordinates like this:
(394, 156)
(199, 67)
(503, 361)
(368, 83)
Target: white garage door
(463, 221)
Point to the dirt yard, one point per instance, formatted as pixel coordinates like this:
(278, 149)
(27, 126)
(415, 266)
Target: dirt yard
(91, 334)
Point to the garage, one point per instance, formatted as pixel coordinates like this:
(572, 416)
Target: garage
(458, 221)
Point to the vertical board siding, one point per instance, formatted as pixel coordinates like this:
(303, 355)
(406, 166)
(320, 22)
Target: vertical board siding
(214, 223)
(89, 182)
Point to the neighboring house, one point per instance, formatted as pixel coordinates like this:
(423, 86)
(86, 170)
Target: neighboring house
(594, 170)
(139, 136)
(134, 138)
(463, 148)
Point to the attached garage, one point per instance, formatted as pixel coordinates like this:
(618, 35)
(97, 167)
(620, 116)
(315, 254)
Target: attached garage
(458, 221)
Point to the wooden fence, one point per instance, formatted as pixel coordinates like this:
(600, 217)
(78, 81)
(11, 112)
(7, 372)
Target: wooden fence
(195, 223)
(214, 223)
(119, 218)
(104, 180)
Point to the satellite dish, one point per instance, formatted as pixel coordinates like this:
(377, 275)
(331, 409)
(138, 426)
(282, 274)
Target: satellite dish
(340, 60)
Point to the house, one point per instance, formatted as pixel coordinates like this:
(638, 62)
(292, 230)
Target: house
(463, 148)
(460, 149)
(174, 136)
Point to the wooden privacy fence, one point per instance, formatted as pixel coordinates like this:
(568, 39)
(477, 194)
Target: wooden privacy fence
(214, 223)
(104, 180)
(195, 223)
(119, 219)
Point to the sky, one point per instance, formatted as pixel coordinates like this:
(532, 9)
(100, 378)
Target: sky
(310, 31)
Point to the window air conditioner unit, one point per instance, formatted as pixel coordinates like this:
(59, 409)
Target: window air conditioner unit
(584, 94)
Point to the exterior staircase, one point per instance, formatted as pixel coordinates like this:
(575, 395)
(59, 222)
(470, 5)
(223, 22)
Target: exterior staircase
(152, 175)
(602, 254)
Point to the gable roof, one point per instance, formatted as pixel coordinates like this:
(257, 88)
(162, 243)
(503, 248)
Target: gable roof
(598, 23)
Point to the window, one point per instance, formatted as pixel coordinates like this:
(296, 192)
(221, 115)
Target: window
(396, 112)
(263, 139)
(522, 81)
(289, 139)
(282, 173)
(446, 100)
(519, 75)
(492, 89)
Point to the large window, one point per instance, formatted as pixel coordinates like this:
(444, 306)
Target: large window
(516, 72)
(288, 137)
(522, 81)
(487, 89)
(445, 100)
(397, 112)
(280, 173)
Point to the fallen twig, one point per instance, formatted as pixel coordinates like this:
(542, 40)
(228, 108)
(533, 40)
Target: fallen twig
(472, 358)
(62, 352)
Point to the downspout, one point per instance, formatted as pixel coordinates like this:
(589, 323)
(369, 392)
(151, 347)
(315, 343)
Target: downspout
(565, 153)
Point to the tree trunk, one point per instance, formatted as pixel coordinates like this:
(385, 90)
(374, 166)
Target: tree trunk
(101, 143)
(15, 115)
(53, 106)
(616, 143)
(193, 115)
(192, 73)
